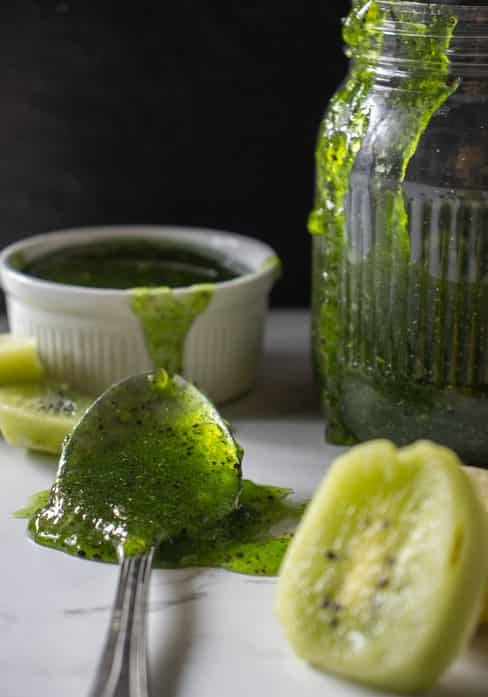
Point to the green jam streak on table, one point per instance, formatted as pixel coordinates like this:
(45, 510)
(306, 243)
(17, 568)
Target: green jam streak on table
(166, 319)
(130, 263)
(243, 542)
(343, 131)
(141, 466)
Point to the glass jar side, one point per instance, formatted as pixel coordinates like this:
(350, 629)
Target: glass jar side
(399, 318)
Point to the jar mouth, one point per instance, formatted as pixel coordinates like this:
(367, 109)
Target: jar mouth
(450, 3)
(406, 17)
(468, 10)
(407, 34)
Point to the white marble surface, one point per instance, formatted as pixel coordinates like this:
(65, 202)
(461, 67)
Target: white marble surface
(211, 633)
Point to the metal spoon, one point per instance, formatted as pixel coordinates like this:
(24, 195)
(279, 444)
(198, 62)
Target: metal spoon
(181, 470)
(122, 671)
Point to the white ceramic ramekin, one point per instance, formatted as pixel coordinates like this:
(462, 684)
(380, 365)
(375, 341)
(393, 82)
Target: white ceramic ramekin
(91, 338)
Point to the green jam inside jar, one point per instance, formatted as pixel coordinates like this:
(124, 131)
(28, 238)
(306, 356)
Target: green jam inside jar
(131, 263)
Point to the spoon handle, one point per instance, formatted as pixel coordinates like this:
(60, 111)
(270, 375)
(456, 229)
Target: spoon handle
(122, 671)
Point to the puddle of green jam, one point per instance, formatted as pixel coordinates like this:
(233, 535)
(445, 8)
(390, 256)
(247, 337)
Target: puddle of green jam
(152, 458)
(129, 263)
(243, 541)
(103, 497)
(341, 136)
(35, 503)
(166, 319)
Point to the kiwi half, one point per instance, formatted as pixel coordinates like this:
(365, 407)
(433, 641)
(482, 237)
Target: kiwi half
(480, 479)
(19, 360)
(39, 416)
(384, 580)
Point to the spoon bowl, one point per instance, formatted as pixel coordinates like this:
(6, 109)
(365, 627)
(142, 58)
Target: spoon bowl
(151, 458)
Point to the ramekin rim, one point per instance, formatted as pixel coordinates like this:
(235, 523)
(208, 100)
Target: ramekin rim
(124, 230)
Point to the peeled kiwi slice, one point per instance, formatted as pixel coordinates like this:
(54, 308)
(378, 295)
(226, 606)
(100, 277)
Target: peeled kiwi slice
(38, 415)
(19, 360)
(384, 580)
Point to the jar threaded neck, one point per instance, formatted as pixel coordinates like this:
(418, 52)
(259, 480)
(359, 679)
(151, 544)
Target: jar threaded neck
(400, 36)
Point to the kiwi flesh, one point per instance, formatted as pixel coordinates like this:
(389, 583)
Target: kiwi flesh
(480, 479)
(19, 360)
(39, 415)
(384, 580)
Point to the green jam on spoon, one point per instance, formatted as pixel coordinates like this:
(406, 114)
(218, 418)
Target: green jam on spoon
(149, 460)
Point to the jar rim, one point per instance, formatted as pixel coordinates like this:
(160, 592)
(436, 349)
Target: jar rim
(471, 12)
(401, 23)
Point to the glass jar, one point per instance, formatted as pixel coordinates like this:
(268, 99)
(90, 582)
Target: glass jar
(400, 230)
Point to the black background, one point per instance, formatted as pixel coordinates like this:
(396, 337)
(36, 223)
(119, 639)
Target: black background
(189, 112)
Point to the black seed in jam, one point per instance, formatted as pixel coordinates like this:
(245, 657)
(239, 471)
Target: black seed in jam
(331, 555)
(383, 581)
(326, 602)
